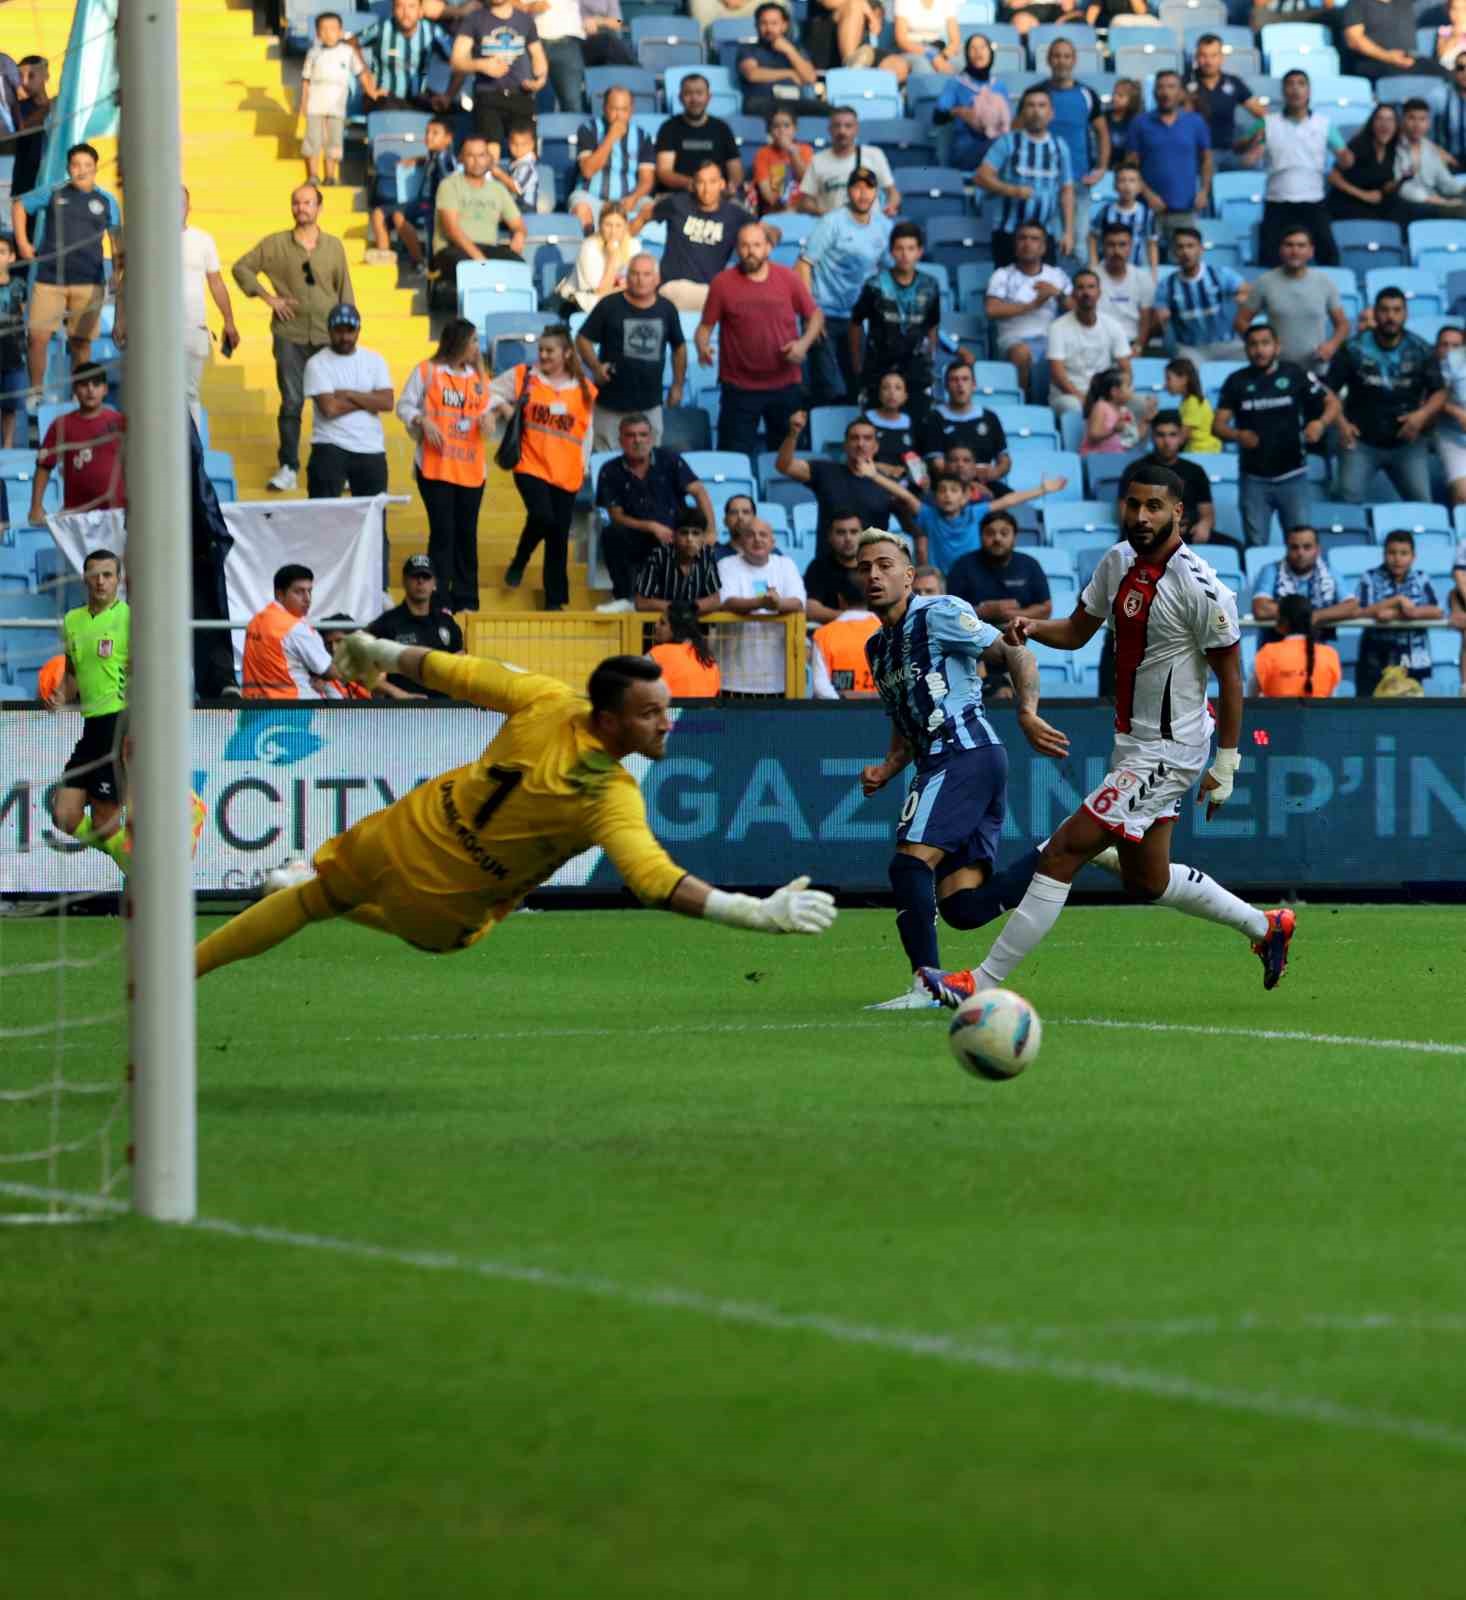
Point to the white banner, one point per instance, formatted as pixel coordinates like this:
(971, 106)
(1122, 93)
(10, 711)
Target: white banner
(339, 540)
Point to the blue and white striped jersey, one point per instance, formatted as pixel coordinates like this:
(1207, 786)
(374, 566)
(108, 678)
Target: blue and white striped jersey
(1042, 165)
(1204, 308)
(1141, 222)
(925, 670)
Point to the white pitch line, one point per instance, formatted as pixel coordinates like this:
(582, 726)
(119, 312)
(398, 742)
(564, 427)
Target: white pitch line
(946, 1348)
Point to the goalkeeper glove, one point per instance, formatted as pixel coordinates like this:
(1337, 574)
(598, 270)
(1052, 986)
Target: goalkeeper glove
(796, 908)
(1223, 772)
(359, 658)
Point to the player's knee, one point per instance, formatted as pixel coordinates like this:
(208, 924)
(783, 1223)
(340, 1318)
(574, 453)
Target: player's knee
(962, 910)
(903, 868)
(1141, 884)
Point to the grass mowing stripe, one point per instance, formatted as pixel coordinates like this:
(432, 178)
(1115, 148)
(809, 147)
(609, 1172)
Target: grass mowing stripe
(900, 1341)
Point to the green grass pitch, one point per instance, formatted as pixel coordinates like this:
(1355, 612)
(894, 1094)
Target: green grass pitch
(625, 1257)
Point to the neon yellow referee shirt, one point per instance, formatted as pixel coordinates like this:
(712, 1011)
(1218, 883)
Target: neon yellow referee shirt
(97, 652)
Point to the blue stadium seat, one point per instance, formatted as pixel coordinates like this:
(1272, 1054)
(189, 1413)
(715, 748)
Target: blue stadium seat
(1428, 328)
(1028, 425)
(1342, 517)
(1424, 292)
(1214, 374)
(1419, 516)
(1054, 563)
(1350, 562)
(1148, 375)
(1409, 86)
(870, 92)
(794, 226)
(804, 521)
(827, 426)
(1218, 467)
(1437, 237)
(928, 192)
(1089, 521)
(686, 428)
(499, 331)
(642, 84)
(997, 383)
(657, 55)
(486, 286)
(1032, 466)
(219, 468)
(1322, 59)
(788, 493)
(903, 139)
(1439, 264)
(1104, 473)
(1143, 58)
(1258, 556)
(1337, 97)
(1362, 261)
(723, 466)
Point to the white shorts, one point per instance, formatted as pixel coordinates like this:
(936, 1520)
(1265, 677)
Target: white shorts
(1146, 783)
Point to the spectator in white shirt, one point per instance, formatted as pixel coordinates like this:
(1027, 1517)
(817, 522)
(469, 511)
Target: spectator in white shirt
(927, 38)
(1024, 300)
(330, 66)
(351, 389)
(562, 32)
(1127, 292)
(201, 270)
(1082, 344)
(755, 581)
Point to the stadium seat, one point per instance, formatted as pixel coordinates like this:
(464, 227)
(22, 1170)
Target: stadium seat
(1362, 261)
(1342, 517)
(1322, 59)
(1104, 473)
(1032, 466)
(1423, 292)
(1350, 562)
(1082, 517)
(1219, 467)
(1196, 16)
(903, 139)
(487, 286)
(1428, 328)
(804, 520)
(813, 131)
(507, 327)
(1418, 516)
(1445, 654)
(996, 382)
(1144, 58)
(1409, 86)
(1337, 97)
(1438, 264)
(827, 426)
(666, 28)
(928, 192)
(1258, 556)
(870, 92)
(785, 492)
(723, 466)
(685, 428)
(1029, 424)
(1054, 563)
(732, 30)
(1148, 376)
(219, 468)
(972, 282)
(794, 226)
(1226, 562)
(1214, 374)
(642, 84)
(951, 242)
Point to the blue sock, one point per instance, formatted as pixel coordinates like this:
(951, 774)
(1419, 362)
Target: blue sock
(971, 908)
(916, 910)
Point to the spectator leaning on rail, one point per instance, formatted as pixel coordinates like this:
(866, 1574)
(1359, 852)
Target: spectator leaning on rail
(684, 572)
(757, 581)
(680, 649)
(1295, 665)
(284, 657)
(644, 491)
(1395, 591)
(1303, 572)
(308, 278)
(419, 620)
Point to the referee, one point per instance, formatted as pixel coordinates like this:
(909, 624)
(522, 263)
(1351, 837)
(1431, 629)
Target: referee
(98, 638)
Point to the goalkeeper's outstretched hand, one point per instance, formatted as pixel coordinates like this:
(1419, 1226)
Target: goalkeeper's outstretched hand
(796, 908)
(357, 658)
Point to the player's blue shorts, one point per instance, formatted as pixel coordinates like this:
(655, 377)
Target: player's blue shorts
(956, 803)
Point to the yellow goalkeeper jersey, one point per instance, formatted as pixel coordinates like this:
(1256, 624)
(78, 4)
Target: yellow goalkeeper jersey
(542, 791)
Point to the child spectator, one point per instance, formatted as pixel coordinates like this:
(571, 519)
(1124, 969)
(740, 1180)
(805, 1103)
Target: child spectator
(407, 218)
(13, 377)
(1126, 104)
(1395, 591)
(1128, 211)
(680, 649)
(896, 452)
(1184, 381)
(87, 445)
(325, 83)
(1296, 665)
(779, 165)
(1110, 425)
(952, 527)
(522, 177)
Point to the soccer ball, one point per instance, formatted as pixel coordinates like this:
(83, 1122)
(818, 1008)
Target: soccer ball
(995, 1034)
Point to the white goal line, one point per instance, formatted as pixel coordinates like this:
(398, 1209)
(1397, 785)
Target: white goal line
(949, 1349)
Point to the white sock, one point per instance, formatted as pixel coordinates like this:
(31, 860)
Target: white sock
(1196, 895)
(1028, 926)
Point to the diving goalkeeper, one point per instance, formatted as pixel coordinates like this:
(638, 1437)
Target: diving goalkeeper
(445, 863)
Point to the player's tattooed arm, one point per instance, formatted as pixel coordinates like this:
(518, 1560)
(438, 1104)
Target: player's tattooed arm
(1022, 669)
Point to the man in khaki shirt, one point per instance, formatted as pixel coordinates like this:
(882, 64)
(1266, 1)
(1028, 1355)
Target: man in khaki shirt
(469, 209)
(308, 276)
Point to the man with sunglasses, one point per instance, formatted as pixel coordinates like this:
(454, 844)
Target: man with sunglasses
(308, 279)
(87, 445)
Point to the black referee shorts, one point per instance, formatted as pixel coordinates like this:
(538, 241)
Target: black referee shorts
(92, 766)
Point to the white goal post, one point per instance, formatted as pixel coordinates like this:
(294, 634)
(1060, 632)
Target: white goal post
(161, 925)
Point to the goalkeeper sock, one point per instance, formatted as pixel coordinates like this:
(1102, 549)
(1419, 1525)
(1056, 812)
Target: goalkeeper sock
(265, 924)
(971, 908)
(916, 910)
(114, 845)
(1196, 895)
(1026, 928)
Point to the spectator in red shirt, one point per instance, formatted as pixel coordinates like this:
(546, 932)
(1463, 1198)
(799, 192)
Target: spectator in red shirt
(87, 445)
(759, 306)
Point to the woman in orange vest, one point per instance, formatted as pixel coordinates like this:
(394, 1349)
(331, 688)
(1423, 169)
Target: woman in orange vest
(681, 651)
(558, 411)
(445, 407)
(1294, 666)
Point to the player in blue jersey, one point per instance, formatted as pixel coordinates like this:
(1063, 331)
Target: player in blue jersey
(924, 660)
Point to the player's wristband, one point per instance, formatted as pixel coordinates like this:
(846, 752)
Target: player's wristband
(1223, 771)
(734, 910)
(386, 654)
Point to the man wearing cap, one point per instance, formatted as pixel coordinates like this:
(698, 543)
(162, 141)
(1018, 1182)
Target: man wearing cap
(351, 388)
(419, 620)
(846, 247)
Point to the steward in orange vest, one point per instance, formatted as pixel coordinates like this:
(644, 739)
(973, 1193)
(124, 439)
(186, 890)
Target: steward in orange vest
(284, 658)
(840, 669)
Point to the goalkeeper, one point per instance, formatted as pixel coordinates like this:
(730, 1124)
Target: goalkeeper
(445, 863)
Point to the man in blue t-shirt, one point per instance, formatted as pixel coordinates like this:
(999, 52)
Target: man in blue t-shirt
(846, 247)
(70, 277)
(1079, 122)
(1174, 149)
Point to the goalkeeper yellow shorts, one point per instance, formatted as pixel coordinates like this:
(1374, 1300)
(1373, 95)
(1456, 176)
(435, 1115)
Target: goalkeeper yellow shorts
(372, 864)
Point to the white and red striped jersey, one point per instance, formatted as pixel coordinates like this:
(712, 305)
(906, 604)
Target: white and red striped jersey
(1166, 615)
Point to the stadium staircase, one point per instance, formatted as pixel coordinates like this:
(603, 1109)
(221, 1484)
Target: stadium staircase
(241, 160)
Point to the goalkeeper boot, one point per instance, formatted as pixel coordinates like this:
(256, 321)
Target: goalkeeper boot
(948, 989)
(1272, 948)
(289, 875)
(915, 998)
